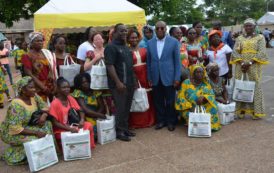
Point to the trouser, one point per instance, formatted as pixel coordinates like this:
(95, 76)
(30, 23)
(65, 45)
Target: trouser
(122, 103)
(7, 67)
(164, 102)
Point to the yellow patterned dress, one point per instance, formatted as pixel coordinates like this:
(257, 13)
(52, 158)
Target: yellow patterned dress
(247, 49)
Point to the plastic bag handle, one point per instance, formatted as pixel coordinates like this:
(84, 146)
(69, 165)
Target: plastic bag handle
(242, 78)
(102, 63)
(66, 60)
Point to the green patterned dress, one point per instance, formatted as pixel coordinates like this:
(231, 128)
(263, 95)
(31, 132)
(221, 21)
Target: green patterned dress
(17, 119)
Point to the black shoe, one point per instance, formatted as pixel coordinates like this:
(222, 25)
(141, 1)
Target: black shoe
(171, 127)
(159, 126)
(129, 133)
(123, 137)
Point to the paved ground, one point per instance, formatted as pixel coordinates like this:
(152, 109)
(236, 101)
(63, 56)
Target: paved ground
(246, 146)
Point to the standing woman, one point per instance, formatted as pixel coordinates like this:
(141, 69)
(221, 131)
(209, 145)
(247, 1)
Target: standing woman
(194, 49)
(140, 119)
(94, 56)
(249, 55)
(203, 40)
(59, 43)
(219, 53)
(41, 66)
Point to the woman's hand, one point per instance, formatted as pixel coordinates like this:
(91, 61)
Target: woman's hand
(42, 120)
(201, 100)
(81, 123)
(40, 134)
(73, 129)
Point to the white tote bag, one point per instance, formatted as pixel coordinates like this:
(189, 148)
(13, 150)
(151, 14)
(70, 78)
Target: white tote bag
(244, 90)
(140, 100)
(229, 88)
(69, 71)
(41, 153)
(106, 132)
(199, 123)
(226, 112)
(76, 145)
(98, 75)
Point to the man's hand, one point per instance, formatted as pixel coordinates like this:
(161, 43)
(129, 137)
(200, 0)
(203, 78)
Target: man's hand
(120, 87)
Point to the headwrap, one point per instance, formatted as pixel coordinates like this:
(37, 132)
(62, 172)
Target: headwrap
(194, 67)
(34, 35)
(210, 66)
(250, 20)
(22, 83)
(214, 31)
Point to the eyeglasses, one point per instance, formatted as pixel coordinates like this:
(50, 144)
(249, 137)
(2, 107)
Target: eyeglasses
(160, 28)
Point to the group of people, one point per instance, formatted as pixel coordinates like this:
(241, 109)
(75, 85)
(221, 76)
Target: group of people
(177, 72)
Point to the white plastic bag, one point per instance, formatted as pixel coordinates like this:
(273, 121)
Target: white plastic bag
(244, 90)
(226, 112)
(69, 71)
(41, 153)
(106, 132)
(140, 100)
(98, 75)
(229, 88)
(199, 123)
(76, 145)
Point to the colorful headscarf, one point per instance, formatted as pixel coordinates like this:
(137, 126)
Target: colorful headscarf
(250, 20)
(210, 66)
(22, 83)
(194, 67)
(214, 31)
(34, 35)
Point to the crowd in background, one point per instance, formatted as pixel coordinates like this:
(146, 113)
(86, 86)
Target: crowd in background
(179, 71)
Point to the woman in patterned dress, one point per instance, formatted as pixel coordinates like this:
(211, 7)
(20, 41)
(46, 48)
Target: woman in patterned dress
(15, 130)
(90, 101)
(202, 39)
(248, 56)
(197, 91)
(140, 119)
(41, 66)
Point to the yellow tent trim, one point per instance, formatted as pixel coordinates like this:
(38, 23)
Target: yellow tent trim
(73, 20)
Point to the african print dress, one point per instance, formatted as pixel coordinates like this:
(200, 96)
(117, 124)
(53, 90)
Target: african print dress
(189, 94)
(17, 119)
(3, 86)
(247, 49)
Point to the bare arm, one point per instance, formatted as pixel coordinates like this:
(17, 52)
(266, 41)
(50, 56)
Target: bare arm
(90, 113)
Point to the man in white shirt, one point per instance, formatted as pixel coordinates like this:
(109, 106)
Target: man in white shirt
(86, 46)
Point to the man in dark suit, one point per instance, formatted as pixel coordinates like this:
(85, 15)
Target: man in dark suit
(164, 70)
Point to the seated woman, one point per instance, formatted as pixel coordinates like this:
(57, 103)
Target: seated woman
(90, 101)
(197, 91)
(59, 109)
(217, 83)
(15, 130)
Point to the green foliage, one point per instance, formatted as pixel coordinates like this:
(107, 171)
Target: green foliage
(232, 12)
(171, 11)
(13, 10)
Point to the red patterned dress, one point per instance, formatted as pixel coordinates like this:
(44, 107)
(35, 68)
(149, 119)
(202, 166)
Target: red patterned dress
(142, 119)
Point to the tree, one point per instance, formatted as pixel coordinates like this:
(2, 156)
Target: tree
(234, 11)
(171, 11)
(13, 10)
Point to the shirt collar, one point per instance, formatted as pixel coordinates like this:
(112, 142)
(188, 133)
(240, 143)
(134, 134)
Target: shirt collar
(163, 39)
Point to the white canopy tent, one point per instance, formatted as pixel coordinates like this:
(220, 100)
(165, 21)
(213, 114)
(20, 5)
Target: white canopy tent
(267, 19)
(60, 14)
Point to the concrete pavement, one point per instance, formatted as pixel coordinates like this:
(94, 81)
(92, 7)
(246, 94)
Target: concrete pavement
(245, 146)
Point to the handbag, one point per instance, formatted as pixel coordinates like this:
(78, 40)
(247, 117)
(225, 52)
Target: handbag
(244, 90)
(199, 123)
(73, 116)
(98, 76)
(41, 153)
(69, 71)
(229, 88)
(226, 112)
(36, 115)
(140, 100)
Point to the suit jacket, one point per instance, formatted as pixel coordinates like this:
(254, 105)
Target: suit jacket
(168, 66)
